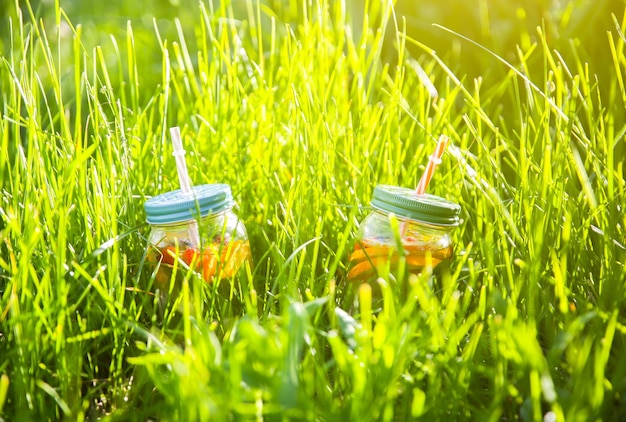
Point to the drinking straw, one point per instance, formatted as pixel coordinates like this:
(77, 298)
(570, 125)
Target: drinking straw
(433, 162)
(183, 177)
(181, 164)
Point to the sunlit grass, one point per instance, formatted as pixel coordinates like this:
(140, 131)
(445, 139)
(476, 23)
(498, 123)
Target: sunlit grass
(302, 118)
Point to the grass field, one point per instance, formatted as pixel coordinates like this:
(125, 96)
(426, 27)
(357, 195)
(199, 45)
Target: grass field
(303, 107)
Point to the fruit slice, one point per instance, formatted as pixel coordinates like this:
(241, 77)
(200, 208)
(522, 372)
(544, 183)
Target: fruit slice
(366, 269)
(233, 255)
(371, 252)
(206, 262)
(365, 259)
(168, 255)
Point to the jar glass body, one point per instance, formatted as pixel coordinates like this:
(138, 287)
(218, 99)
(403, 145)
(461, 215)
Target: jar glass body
(376, 246)
(215, 246)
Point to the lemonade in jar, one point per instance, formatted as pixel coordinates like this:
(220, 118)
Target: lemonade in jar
(200, 230)
(422, 236)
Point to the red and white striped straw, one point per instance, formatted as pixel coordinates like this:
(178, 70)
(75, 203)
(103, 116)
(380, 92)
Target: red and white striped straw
(433, 162)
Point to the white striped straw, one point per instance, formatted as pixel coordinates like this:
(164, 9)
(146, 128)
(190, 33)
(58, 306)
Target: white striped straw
(183, 178)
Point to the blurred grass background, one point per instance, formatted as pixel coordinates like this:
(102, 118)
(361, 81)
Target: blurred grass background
(576, 29)
(501, 26)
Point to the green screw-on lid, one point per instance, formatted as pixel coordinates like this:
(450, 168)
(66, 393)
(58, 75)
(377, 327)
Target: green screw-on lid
(404, 202)
(177, 206)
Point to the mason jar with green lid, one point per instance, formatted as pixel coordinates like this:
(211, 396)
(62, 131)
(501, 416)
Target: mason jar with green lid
(198, 231)
(424, 225)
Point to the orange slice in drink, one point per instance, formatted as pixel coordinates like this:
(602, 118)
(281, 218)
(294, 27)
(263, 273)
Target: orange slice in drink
(362, 254)
(205, 262)
(233, 255)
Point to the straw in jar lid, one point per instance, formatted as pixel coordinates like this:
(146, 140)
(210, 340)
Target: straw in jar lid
(177, 206)
(404, 202)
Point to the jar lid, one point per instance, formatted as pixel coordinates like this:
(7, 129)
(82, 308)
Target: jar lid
(404, 202)
(176, 206)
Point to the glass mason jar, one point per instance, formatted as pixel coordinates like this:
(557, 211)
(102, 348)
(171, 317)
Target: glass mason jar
(424, 226)
(198, 229)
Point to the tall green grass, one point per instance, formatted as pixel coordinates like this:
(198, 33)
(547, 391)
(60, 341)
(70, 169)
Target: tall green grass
(302, 118)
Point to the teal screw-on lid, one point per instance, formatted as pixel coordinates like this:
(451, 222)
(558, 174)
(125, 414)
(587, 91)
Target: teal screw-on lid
(177, 206)
(404, 202)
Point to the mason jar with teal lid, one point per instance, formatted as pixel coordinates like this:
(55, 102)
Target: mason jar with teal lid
(424, 226)
(196, 230)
